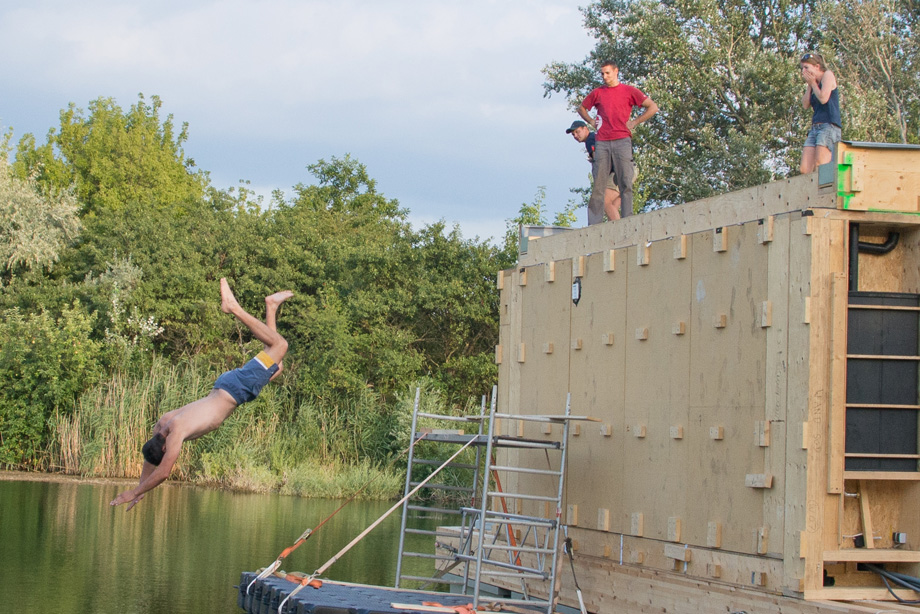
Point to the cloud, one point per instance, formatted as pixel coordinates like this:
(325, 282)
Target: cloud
(444, 95)
(418, 54)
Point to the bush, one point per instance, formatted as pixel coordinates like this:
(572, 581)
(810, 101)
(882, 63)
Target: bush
(45, 363)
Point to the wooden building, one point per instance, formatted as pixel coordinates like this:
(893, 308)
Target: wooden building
(752, 359)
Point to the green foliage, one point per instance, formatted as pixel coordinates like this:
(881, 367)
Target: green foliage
(874, 48)
(530, 214)
(45, 363)
(723, 74)
(377, 306)
(348, 243)
(312, 479)
(177, 259)
(113, 157)
(534, 214)
(34, 226)
(453, 319)
(265, 445)
(5, 147)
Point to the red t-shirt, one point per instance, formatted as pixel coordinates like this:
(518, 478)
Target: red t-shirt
(614, 105)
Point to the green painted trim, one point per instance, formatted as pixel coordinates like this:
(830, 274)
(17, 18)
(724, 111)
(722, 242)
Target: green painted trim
(842, 169)
(892, 211)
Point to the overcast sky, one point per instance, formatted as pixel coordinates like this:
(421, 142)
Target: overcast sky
(442, 101)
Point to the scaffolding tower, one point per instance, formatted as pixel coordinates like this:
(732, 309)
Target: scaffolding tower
(493, 544)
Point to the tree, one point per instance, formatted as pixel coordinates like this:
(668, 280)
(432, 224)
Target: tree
(348, 245)
(113, 158)
(34, 226)
(534, 214)
(45, 363)
(874, 46)
(455, 321)
(723, 74)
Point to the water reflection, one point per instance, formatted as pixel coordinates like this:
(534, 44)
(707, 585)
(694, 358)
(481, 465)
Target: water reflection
(181, 550)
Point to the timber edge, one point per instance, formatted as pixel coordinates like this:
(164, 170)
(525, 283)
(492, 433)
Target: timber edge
(890, 170)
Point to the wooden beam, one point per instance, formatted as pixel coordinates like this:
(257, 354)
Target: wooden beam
(865, 514)
(837, 409)
(878, 555)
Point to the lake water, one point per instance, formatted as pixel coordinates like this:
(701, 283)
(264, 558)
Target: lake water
(63, 549)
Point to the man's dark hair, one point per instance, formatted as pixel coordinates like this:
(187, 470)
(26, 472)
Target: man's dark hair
(610, 63)
(154, 449)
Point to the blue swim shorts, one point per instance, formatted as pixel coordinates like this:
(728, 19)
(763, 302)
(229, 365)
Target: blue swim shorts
(825, 135)
(245, 384)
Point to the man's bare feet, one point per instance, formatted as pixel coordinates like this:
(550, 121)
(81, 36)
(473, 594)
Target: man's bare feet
(277, 298)
(227, 301)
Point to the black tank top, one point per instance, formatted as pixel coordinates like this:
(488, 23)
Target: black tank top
(827, 113)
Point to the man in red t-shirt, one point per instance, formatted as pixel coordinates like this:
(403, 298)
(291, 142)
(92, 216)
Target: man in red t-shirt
(614, 103)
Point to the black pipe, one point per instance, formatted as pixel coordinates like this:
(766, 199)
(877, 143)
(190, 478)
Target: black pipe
(880, 248)
(857, 246)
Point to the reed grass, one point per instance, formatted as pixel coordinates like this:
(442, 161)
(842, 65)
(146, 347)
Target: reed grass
(276, 443)
(111, 421)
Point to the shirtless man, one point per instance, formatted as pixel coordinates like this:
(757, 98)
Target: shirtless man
(231, 389)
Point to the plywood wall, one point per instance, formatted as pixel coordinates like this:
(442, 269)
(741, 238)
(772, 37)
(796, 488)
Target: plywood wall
(713, 358)
(668, 347)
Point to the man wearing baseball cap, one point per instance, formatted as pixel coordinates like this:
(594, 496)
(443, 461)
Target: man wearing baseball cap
(581, 133)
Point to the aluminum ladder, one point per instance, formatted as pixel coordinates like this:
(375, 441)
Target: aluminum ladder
(414, 510)
(533, 564)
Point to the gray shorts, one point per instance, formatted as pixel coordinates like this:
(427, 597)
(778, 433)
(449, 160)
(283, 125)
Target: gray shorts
(611, 179)
(824, 135)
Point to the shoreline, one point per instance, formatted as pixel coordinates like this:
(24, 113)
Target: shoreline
(36, 476)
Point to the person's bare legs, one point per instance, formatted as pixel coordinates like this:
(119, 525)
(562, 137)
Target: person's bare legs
(612, 204)
(822, 155)
(808, 160)
(275, 345)
(272, 302)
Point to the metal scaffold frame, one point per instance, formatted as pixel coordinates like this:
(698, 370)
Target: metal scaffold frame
(521, 549)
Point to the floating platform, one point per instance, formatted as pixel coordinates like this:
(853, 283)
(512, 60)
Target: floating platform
(338, 598)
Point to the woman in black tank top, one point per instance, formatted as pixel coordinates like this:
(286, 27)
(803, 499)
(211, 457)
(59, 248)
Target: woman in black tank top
(821, 95)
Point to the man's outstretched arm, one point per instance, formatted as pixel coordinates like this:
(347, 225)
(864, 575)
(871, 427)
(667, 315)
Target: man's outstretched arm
(151, 476)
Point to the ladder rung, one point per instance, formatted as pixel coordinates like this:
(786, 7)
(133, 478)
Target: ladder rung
(517, 548)
(443, 487)
(438, 510)
(512, 518)
(450, 418)
(520, 442)
(436, 533)
(542, 418)
(512, 601)
(433, 580)
(438, 463)
(506, 574)
(425, 555)
(517, 495)
(524, 470)
(422, 531)
(518, 569)
(537, 522)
